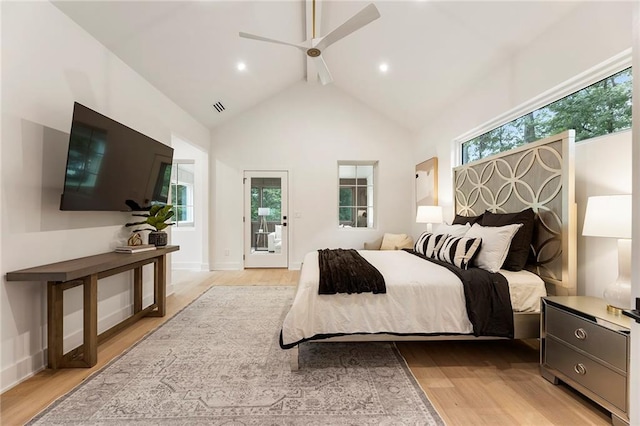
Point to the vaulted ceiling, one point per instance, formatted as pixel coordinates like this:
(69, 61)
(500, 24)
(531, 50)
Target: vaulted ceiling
(189, 50)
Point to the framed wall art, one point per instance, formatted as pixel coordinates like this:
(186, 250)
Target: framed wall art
(427, 183)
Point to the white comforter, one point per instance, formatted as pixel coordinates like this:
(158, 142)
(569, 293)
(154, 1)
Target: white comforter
(406, 308)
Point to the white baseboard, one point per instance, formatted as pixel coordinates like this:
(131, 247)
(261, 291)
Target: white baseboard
(22, 370)
(237, 266)
(29, 366)
(74, 339)
(190, 266)
(227, 266)
(187, 266)
(295, 266)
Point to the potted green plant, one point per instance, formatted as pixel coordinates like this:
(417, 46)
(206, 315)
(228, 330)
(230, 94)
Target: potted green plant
(156, 218)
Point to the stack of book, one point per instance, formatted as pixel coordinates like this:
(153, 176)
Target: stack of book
(135, 249)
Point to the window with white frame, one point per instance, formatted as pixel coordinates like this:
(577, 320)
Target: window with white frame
(182, 192)
(601, 108)
(356, 208)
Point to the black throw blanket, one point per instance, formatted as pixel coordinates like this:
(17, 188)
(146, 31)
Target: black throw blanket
(487, 298)
(345, 271)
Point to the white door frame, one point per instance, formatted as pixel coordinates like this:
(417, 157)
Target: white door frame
(254, 258)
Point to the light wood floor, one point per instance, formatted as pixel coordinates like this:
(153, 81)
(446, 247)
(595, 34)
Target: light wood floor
(469, 383)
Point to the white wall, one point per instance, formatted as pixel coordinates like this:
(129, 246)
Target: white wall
(306, 129)
(594, 33)
(193, 241)
(598, 257)
(47, 63)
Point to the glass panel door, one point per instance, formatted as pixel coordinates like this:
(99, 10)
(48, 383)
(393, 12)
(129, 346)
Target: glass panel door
(265, 219)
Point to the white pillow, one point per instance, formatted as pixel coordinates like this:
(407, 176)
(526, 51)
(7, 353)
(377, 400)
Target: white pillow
(452, 230)
(495, 244)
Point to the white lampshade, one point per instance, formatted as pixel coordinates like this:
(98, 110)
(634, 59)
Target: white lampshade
(608, 216)
(264, 211)
(429, 214)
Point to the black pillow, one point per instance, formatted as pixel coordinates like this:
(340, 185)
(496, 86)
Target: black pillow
(463, 220)
(521, 242)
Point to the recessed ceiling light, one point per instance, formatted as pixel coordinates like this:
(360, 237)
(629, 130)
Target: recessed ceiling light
(384, 67)
(241, 66)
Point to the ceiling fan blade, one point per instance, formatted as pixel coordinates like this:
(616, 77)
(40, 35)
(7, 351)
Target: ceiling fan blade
(270, 40)
(323, 70)
(368, 14)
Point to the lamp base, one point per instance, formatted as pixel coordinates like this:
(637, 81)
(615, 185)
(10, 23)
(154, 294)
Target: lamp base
(613, 310)
(618, 293)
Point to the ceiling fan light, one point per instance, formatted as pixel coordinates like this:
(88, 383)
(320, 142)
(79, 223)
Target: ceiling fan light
(314, 50)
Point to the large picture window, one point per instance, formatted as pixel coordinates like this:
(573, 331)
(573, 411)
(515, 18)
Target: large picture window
(599, 109)
(355, 189)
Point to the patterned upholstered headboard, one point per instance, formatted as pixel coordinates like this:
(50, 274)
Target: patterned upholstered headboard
(539, 175)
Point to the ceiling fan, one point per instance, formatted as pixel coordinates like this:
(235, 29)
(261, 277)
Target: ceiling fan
(314, 47)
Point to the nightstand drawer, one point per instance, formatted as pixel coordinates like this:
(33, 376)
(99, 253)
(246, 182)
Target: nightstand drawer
(594, 376)
(603, 343)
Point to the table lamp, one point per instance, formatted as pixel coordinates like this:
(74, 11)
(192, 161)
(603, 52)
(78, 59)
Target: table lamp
(610, 216)
(429, 215)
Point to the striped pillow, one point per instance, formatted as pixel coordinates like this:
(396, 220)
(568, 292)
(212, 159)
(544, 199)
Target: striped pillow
(428, 244)
(459, 251)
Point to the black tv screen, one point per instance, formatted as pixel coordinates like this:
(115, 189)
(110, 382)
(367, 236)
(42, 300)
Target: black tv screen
(111, 167)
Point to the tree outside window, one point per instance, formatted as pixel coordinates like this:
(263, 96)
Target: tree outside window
(266, 192)
(599, 109)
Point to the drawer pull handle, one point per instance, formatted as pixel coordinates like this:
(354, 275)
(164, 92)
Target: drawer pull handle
(580, 334)
(580, 369)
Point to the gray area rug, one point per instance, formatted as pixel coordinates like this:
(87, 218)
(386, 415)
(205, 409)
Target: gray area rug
(218, 362)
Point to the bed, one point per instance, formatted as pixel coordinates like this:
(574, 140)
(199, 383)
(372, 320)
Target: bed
(426, 301)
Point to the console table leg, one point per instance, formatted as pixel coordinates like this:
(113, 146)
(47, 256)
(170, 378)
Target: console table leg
(54, 325)
(90, 290)
(161, 280)
(137, 289)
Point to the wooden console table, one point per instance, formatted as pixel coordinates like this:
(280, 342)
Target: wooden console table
(86, 271)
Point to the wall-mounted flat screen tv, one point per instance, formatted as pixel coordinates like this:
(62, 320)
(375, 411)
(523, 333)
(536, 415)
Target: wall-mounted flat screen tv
(111, 167)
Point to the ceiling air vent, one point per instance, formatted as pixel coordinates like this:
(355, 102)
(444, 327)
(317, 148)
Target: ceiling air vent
(218, 106)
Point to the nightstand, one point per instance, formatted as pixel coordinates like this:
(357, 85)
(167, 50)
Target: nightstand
(587, 348)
